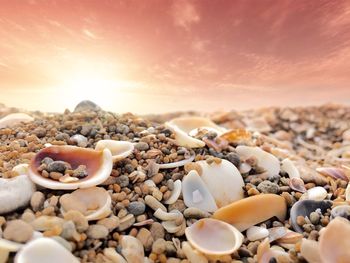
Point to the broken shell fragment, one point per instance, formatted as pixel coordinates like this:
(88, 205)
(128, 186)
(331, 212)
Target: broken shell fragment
(15, 193)
(317, 193)
(214, 237)
(334, 243)
(334, 172)
(196, 194)
(252, 210)
(347, 193)
(288, 167)
(342, 211)
(175, 193)
(305, 208)
(256, 233)
(297, 184)
(14, 119)
(44, 250)
(119, 149)
(132, 249)
(94, 203)
(98, 164)
(172, 215)
(265, 160)
(223, 181)
(176, 164)
(183, 126)
(192, 254)
(236, 136)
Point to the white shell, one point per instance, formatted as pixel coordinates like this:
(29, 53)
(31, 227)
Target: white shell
(44, 250)
(347, 193)
(255, 233)
(172, 215)
(289, 168)
(119, 149)
(192, 184)
(223, 180)
(90, 197)
(15, 193)
(132, 249)
(317, 193)
(176, 164)
(13, 119)
(175, 193)
(265, 160)
(192, 254)
(214, 237)
(21, 168)
(184, 125)
(101, 172)
(171, 226)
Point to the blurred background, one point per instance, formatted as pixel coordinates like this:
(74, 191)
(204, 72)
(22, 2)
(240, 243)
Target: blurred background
(159, 56)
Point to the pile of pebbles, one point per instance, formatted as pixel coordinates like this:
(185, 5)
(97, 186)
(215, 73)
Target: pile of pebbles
(309, 133)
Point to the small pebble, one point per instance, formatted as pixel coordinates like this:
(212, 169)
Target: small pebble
(268, 187)
(159, 246)
(136, 208)
(18, 231)
(97, 232)
(37, 201)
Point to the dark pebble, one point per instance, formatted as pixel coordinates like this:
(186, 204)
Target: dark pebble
(122, 180)
(233, 158)
(136, 208)
(57, 166)
(142, 146)
(87, 105)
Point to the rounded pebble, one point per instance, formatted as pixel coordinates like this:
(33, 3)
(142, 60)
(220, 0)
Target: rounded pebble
(136, 208)
(97, 232)
(18, 231)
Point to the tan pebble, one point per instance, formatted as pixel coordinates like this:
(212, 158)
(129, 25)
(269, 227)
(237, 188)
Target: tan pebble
(55, 175)
(137, 190)
(153, 203)
(162, 258)
(178, 205)
(55, 231)
(153, 257)
(116, 188)
(193, 212)
(157, 178)
(157, 230)
(126, 202)
(253, 191)
(122, 213)
(37, 201)
(163, 189)
(111, 222)
(120, 196)
(301, 220)
(133, 232)
(145, 189)
(78, 218)
(173, 260)
(53, 201)
(97, 232)
(126, 222)
(18, 231)
(71, 202)
(288, 197)
(157, 194)
(28, 216)
(3, 220)
(297, 195)
(49, 211)
(69, 231)
(141, 218)
(159, 246)
(166, 195)
(145, 236)
(193, 166)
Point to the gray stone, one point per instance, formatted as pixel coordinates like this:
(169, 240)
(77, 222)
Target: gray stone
(122, 180)
(87, 105)
(136, 208)
(58, 166)
(268, 187)
(142, 146)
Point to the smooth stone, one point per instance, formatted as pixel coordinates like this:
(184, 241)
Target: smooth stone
(136, 208)
(18, 231)
(268, 187)
(97, 232)
(87, 105)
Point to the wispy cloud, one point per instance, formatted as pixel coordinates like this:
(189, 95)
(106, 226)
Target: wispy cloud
(185, 14)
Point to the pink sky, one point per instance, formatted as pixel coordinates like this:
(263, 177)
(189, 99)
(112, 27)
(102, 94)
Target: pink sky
(161, 55)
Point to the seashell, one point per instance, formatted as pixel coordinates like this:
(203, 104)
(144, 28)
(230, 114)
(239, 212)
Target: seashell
(334, 243)
(21, 168)
(154, 203)
(119, 149)
(223, 181)
(204, 234)
(44, 250)
(175, 193)
(264, 159)
(288, 167)
(15, 193)
(252, 210)
(94, 203)
(305, 208)
(342, 211)
(192, 254)
(113, 255)
(290, 237)
(176, 164)
(265, 254)
(347, 193)
(171, 226)
(256, 233)
(98, 163)
(132, 249)
(196, 194)
(297, 184)
(236, 136)
(277, 233)
(334, 172)
(310, 251)
(14, 119)
(175, 215)
(193, 212)
(317, 193)
(183, 126)
(80, 140)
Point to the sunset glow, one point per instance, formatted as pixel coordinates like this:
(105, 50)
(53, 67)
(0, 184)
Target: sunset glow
(169, 55)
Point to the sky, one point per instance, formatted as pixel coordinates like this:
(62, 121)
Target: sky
(160, 56)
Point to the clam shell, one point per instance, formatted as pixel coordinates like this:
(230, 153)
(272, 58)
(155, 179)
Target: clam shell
(342, 211)
(132, 249)
(265, 160)
(252, 210)
(94, 203)
(98, 163)
(184, 125)
(44, 250)
(214, 237)
(334, 172)
(334, 243)
(304, 208)
(119, 149)
(14, 119)
(175, 193)
(196, 193)
(297, 184)
(15, 193)
(255, 233)
(317, 193)
(223, 181)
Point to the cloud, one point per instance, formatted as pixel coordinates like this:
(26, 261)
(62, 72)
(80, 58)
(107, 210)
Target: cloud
(89, 34)
(185, 14)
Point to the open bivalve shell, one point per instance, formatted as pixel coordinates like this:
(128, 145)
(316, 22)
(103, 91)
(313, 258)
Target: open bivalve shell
(252, 210)
(119, 149)
(99, 165)
(44, 250)
(186, 127)
(214, 237)
(14, 119)
(94, 203)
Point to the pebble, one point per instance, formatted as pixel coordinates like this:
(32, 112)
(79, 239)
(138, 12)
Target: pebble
(142, 146)
(37, 201)
(157, 230)
(18, 231)
(233, 158)
(268, 187)
(314, 218)
(97, 232)
(193, 212)
(63, 242)
(69, 231)
(110, 223)
(136, 208)
(126, 222)
(256, 233)
(159, 246)
(57, 166)
(154, 203)
(78, 218)
(86, 105)
(301, 220)
(145, 236)
(122, 180)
